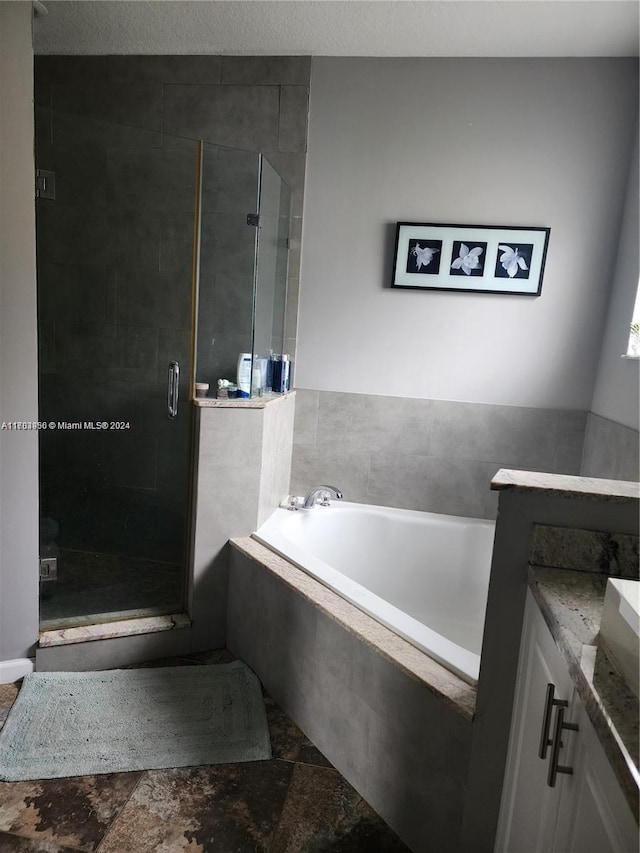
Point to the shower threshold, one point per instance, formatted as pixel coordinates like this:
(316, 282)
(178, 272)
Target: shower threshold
(112, 629)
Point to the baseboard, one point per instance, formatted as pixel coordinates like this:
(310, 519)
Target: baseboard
(12, 670)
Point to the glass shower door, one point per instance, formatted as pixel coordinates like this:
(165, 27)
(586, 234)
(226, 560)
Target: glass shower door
(243, 263)
(115, 226)
(230, 190)
(272, 262)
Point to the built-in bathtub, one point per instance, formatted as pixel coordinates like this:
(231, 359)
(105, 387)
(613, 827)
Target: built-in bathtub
(391, 718)
(423, 575)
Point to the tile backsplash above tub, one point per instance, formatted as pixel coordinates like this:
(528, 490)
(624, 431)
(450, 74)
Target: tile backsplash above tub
(429, 455)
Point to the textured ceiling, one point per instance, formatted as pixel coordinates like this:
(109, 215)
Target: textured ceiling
(341, 27)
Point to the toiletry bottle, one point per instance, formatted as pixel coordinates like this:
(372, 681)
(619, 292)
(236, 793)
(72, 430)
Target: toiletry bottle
(256, 380)
(286, 370)
(281, 373)
(276, 378)
(269, 382)
(244, 374)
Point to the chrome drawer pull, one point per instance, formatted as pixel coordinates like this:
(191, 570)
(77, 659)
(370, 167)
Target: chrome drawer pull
(554, 767)
(549, 703)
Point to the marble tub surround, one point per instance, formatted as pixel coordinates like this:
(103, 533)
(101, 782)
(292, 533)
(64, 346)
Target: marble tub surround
(394, 723)
(614, 554)
(430, 455)
(571, 603)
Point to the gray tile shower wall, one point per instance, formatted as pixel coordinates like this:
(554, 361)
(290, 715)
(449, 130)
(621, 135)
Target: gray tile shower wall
(114, 255)
(610, 450)
(430, 455)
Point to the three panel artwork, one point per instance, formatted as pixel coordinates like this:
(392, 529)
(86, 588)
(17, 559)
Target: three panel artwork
(484, 258)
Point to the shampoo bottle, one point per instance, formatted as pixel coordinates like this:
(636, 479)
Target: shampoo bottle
(244, 374)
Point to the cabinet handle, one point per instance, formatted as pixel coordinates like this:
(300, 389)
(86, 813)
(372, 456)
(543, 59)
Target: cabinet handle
(554, 767)
(549, 703)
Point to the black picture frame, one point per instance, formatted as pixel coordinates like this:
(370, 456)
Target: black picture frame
(470, 258)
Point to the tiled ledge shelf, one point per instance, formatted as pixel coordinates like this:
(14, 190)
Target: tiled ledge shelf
(111, 630)
(246, 403)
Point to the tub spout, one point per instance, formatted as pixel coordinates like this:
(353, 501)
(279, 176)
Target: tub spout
(323, 493)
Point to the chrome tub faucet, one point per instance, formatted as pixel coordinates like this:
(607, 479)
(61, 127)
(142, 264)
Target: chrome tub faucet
(323, 493)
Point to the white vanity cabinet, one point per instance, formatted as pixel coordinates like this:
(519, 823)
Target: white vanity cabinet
(580, 812)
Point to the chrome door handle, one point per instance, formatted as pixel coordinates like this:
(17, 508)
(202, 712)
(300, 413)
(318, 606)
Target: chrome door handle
(549, 703)
(554, 767)
(173, 382)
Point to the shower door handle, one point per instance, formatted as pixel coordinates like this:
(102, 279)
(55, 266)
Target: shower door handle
(172, 389)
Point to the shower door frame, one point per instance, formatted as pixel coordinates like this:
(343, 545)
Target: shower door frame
(78, 623)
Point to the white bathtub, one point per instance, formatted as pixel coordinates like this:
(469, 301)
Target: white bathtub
(423, 575)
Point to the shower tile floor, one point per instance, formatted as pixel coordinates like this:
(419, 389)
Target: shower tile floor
(97, 587)
(296, 802)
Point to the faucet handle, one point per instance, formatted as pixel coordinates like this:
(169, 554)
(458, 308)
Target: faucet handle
(293, 502)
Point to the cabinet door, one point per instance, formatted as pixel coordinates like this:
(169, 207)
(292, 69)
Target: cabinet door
(594, 815)
(529, 809)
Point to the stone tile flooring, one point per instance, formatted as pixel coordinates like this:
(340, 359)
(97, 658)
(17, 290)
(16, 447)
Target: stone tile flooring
(296, 802)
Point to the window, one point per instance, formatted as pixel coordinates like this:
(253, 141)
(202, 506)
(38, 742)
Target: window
(633, 348)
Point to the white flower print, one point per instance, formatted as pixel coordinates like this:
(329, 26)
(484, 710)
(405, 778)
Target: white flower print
(467, 259)
(511, 260)
(423, 256)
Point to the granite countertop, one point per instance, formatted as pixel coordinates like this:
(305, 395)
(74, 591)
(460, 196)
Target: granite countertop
(571, 603)
(586, 488)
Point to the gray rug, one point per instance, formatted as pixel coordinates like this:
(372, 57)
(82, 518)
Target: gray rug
(82, 723)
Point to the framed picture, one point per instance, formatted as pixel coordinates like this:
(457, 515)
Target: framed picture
(470, 258)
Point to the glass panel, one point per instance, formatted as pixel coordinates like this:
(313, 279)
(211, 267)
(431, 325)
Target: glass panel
(114, 310)
(272, 265)
(227, 257)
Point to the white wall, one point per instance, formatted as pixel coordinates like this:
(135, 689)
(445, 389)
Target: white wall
(521, 142)
(616, 394)
(18, 341)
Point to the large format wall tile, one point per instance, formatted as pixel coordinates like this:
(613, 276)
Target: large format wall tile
(266, 70)
(430, 455)
(165, 69)
(610, 450)
(137, 104)
(292, 132)
(237, 116)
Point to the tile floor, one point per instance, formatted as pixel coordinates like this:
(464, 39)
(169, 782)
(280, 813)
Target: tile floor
(294, 803)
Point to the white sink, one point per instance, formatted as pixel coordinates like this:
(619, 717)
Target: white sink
(620, 627)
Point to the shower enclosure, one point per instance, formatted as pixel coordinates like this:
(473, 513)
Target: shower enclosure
(159, 260)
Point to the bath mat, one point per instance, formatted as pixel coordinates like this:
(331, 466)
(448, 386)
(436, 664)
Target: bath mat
(82, 723)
